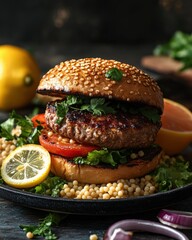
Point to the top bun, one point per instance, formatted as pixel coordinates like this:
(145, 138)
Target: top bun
(87, 77)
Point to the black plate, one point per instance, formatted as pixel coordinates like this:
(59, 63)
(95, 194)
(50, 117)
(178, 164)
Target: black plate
(99, 207)
(95, 207)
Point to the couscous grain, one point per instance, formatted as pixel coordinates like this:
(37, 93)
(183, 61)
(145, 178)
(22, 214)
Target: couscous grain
(120, 189)
(5, 148)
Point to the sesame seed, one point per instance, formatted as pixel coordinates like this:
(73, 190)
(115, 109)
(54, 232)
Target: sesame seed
(76, 76)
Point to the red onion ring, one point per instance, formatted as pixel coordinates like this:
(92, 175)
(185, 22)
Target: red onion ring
(141, 225)
(176, 219)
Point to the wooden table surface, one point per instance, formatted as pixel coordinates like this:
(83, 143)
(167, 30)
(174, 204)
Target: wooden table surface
(73, 226)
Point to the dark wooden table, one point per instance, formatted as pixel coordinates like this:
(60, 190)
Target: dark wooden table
(81, 227)
(73, 226)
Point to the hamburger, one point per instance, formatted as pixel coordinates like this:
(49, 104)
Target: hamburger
(103, 125)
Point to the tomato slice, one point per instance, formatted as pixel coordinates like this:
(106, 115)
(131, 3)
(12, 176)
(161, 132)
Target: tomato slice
(63, 147)
(39, 119)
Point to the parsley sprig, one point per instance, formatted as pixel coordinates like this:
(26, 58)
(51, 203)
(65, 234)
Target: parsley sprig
(28, 134)
(51, 186)
(114, 74)
(173, 174)
(110, 157)
(97, 106)
(179, 47)
(44, 228)
(107, 156)
(102, 106)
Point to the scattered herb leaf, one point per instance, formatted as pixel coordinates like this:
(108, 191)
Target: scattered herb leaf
(110, 157)
(102, 106)
(179, 47)
(63, 107)
(114, 74)
(28, 134)
(173, 174)
(150, 113)
(44, 228)
(98, 106)
(51, 186)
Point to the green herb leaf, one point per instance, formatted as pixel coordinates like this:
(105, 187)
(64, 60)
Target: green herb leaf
(98, 106)
(151, 114)
(102, 106)
(51, 186)
(95, 157)
(173, 174)
(114, 74)
(44, 228)
(64, 106)
(111, 157)
(179, 47)
(28, 134)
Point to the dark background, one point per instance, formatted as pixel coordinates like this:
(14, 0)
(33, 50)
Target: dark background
(92, 21)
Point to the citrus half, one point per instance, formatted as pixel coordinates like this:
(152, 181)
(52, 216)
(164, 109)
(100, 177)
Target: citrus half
(26, 166)
(176, 131)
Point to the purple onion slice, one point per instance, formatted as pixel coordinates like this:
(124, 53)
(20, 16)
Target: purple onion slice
(124, 229)
(176, 219)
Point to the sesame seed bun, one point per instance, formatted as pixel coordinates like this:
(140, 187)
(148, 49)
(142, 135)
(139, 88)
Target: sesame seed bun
(97, 175)
(87, 77)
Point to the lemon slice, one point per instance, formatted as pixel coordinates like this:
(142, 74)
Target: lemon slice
(26, 166)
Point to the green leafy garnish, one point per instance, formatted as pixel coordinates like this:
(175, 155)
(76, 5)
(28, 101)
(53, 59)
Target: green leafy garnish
(179, 47)
(110, 157)
(51, 186)
(44, 228)
(64, 106)
(102, 106)
(173, 174)
(97, 106)
(23, 125)
(95, 157)
(114, 74)
(150, 113)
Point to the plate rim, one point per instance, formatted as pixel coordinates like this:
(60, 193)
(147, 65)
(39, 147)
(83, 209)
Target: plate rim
(78, 206)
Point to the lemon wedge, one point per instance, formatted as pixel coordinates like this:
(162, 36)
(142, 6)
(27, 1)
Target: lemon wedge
(26, 166)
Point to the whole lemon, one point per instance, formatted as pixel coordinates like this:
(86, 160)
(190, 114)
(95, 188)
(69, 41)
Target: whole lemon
(19, 77)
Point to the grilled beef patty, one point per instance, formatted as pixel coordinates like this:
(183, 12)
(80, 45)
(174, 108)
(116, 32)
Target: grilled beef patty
(115, 131)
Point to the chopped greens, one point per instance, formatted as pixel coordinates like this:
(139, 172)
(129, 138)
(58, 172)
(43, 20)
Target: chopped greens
(150, 113)
(179, 47)
(44, 228)
(19, 128)
(114, 74)
(64, 106)
(98, 106)
(102, 106)
(173, 174)
(51, 186)
(110, 157)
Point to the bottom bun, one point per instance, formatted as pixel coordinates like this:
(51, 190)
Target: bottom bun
(70, 171)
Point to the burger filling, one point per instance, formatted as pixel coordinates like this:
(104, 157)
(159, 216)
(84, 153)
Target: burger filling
(113, 131)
